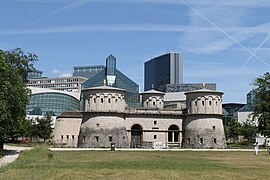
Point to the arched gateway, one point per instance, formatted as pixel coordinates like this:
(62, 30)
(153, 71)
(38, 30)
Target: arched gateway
(136, 136)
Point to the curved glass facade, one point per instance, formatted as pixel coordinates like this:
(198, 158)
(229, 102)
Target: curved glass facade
(52, 102)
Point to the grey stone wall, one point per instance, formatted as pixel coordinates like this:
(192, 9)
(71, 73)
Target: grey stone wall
(92, 137)
(100, 130)
(204, 132)
(66, 131)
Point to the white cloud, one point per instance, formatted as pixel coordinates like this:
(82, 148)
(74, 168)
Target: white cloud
(65, 75)
(61, 74)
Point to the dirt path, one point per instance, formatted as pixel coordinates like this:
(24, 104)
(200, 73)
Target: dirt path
(13, 153)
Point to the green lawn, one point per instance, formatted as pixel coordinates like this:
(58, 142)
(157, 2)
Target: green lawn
(35, 164)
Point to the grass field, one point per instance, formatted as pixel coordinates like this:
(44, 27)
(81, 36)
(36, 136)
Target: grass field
(35, 164)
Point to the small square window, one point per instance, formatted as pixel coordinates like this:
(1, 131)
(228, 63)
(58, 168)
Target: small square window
(155, 122)
(201, 140)
(155, 136)
(110, 138)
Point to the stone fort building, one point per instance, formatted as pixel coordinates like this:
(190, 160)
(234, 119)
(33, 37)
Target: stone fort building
(107, 119)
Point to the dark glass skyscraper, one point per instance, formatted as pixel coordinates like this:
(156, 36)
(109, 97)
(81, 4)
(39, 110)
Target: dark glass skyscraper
(163, 70)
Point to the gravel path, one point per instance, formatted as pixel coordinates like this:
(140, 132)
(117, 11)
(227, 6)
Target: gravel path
(12, 154)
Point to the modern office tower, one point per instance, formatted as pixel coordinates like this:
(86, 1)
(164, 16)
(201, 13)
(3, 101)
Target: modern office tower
(110, 76)
(70, 84)
(87, 71)
(163, 70)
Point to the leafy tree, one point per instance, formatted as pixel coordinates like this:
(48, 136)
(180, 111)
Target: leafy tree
(248, 130)
(43, 127)
(20, 62)
(233, 128)
(262, 103)
(14, 96)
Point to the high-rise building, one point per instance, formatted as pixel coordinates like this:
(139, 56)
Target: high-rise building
(87, 71)
(163, 70)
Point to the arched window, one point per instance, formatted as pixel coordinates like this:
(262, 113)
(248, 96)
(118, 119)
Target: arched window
(173, 133)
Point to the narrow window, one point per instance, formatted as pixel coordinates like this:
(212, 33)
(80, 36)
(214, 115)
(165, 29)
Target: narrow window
(73, 137)
(94, 100)
(110, 138)
(216, 103)
(155, 136)
(154, 103)
(215, 140)
(116, 100)
(155, 122)
(62, 137)
(214, 127)
(109, 100)
(83, 138)
(101, 100)
(210, 103)
(67, 136)
(201, 140)
(97, 138)
(203, 103)
(195, 103)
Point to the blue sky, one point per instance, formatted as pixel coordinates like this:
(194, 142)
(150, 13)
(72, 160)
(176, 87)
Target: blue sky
(224, 42)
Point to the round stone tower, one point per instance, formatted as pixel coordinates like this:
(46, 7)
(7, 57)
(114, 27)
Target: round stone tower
(104, 99)
(103, 119)
(203, 126)
(153, 99)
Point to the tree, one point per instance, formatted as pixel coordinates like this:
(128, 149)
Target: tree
(262, 103)
(232, 129)
(248, 130)
(14, 96)
(43, 127)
